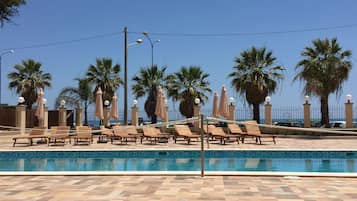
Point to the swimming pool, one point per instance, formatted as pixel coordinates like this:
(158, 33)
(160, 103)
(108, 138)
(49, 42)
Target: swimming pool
(163, 160)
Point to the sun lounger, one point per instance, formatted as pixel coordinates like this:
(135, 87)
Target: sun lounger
(105, 134)
(154, 135)
(84, 135)
(106, 131)
(218, 133)
(59, 134)
(253, 130)
(124, 134)
(36, 133)
(183, 131)
(234, 129)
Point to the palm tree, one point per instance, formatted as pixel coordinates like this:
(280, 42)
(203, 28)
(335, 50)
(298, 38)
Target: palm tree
(186, 85)
(9, 9)
(256, 76)
(28, 79)
(106, 76)
(146, 83)
(324, 68)
(77, 96)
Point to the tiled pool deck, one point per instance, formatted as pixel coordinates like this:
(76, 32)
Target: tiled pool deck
(181, 188)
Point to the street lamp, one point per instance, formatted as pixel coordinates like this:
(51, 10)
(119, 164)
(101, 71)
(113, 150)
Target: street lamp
(126, 45)
(146, 34)
(1, 54)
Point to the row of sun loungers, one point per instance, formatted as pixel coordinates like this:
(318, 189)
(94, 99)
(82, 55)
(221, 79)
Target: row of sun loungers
(36, 133)
(236, 133)
(124, 134)
(57, 135)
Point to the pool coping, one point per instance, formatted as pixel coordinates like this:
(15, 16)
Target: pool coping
(289, 175)
(155, 149)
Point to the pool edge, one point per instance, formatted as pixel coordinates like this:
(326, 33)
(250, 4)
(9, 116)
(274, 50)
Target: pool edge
(179, 173)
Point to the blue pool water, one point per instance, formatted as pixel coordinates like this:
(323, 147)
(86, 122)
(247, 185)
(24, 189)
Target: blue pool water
(287, 161)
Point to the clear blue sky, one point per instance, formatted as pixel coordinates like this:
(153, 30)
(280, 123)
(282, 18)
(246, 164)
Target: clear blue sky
(44, 22)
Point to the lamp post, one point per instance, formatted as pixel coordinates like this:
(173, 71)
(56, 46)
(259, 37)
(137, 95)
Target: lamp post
(126, 45)
(348, 98)
(307, 98)
(267, 100)
(1, 54)
(146, 34)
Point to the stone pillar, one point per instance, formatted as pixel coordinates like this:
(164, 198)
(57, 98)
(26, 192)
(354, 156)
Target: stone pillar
(267, 113)
(307, 121)
(349, 114)
(197, 113)
(231, 109)
(21, 118)
(62, 117)
(134, 115)
(45, 117)
(106, 112)
(79, 117)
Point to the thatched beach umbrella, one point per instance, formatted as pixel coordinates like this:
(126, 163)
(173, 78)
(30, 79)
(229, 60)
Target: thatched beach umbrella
(215, 111)
(99, 104)
(160, 103)
(114, 109)
(223, 104)
(164, 107)
(40, 107)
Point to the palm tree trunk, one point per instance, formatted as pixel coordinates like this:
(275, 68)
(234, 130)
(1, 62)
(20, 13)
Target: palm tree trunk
(154, 119)
(85, 115)
(256, 113)
(325, 118)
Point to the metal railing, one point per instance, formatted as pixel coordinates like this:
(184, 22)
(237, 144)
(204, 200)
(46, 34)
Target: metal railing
(291, 113)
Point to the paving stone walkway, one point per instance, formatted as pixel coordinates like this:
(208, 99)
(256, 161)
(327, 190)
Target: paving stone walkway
(175, 188)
